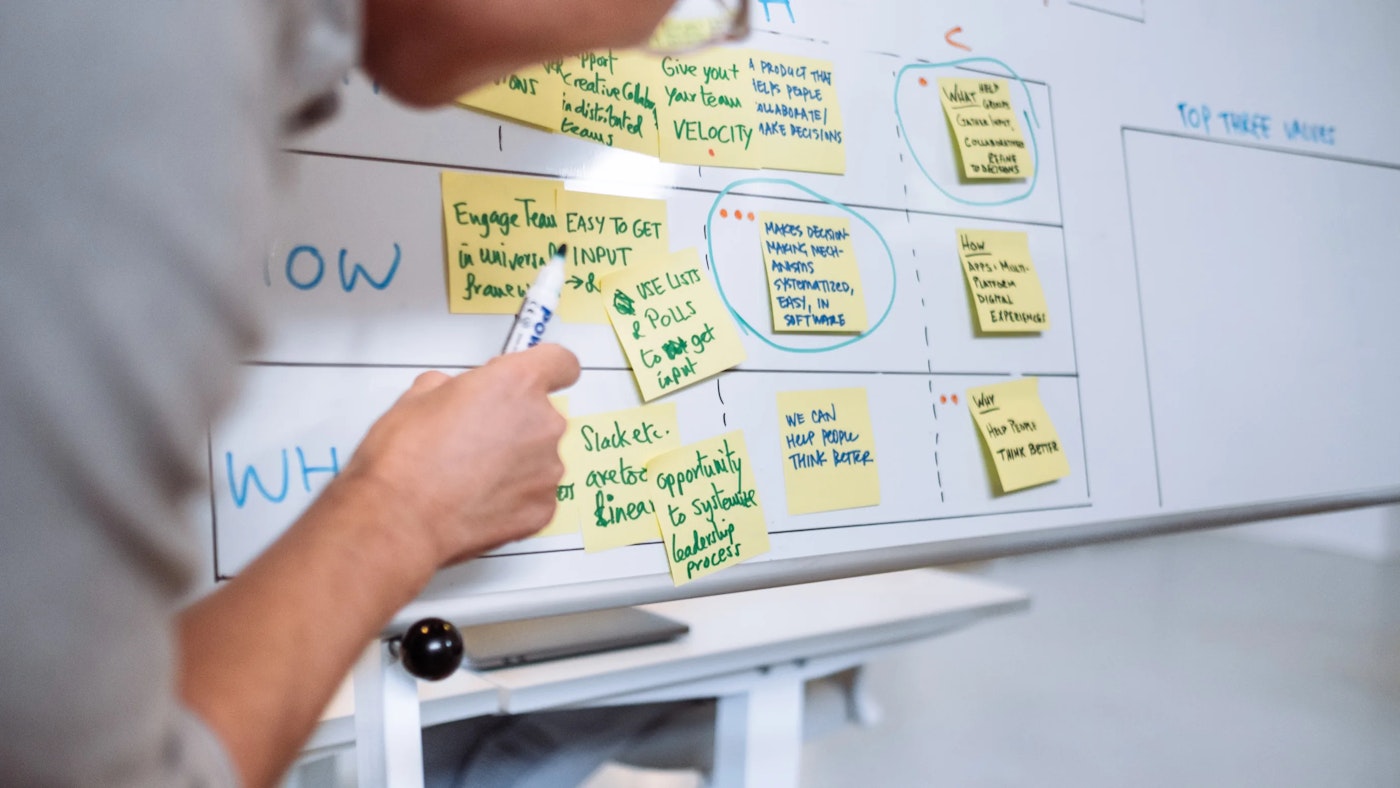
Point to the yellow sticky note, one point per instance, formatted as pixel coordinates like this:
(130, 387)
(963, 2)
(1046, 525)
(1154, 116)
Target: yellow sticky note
(706, 110)
(1001, 277)
(813, 278)
(1023, 445)
(612, 450)
(799, 119)
(984, 124)
(707, 507)
(828, 450)
(671, 323)
(605, 235)
(530, 95)
(499, 230)
(610, 98)
(566, 512)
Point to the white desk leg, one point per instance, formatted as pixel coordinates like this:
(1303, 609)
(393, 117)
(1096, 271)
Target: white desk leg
(758, 734)
(388, 736)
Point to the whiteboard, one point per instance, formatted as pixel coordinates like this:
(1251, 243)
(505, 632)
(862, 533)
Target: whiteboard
(1218, 352)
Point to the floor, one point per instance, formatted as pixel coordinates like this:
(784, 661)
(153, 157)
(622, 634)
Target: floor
(1195, 660)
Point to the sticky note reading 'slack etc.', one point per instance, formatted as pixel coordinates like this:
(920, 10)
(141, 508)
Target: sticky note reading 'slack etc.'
(611, 451)
(1025, 449)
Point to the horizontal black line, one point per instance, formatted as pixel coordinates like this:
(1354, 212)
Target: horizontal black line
(1139, 19)
(1308, 154)
(901, 372)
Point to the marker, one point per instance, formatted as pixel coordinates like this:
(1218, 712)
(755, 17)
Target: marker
(540, 304)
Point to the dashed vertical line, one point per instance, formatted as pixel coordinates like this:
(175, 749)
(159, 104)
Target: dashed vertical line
(724, 408)
(500, 138)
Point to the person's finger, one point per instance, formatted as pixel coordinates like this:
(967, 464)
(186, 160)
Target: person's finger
(550, 366)
(428, 381)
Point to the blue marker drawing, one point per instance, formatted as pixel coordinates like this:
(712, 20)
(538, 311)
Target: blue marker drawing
(1032, 123)
(719, 285)
(787, 4)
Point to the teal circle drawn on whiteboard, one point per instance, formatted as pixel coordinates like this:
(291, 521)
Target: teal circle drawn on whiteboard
(1032, 123)
(719, 285)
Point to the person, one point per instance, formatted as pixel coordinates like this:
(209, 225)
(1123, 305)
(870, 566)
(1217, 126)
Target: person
(139, 164)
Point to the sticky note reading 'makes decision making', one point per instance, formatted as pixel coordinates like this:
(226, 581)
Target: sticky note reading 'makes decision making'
(1006, 292)
(988, 135)
(606, 235)
(828, 450)
(672, 324)
(707, 507)
(1025, 449)
(813, 278)
(500, 230)
(607, 458)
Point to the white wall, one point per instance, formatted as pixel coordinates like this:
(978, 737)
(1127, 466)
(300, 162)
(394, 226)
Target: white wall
(1365, 533)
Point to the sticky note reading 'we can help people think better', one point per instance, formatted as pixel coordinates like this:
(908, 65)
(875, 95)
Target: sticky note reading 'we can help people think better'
(500, 231)
(707, 507)
(813, 278)
(606, 234)
(1006, 292)
(828, 450)
(985, 128)
(1025, 449)
(672, 324)
(608, 453)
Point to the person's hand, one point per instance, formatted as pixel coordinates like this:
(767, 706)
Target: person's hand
(472, 461)
(428, 52)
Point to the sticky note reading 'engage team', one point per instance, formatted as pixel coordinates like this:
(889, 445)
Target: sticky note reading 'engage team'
(828, 450)
(606, 234)
(612, 450)
(1024, 447)
(500, 231)
(799, 120)
(984, 124)
(1001, 277)
(671, 323)
(707, 507)
(609, 98)
(707, 112)
(531, 95)
(813, 279)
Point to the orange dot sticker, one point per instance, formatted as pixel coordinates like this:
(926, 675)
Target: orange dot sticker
(923, 82)
(955, 399)
(943, 399)
(724, 213)
(750, 215)
(712, 152)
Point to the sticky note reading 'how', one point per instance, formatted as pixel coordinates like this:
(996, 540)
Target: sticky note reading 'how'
(813, 278)
(612, 450)
(606, 235)
(1005, 289)
(828, 449)
(500, 231)
(984, 125)
(1024, 447)
(672, 324)
(707, 507)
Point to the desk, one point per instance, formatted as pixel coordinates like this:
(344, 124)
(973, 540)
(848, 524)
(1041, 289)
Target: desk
(753, 651)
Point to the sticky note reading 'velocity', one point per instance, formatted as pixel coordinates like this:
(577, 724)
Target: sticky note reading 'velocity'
(500, 231)
(799, 119)
(984, 124)
(612, 450)
(1006, 293)
(707, 507)
(813, 278)
(671, 323)
(610, 98)
(706, 114)
(1025, 449)
(530, 95)
(828, 450)
(606, 234)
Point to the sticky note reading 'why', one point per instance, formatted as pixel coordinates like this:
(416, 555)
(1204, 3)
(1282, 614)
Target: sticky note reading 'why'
(799, 119)
(706, 114)
(707, 507)
(500, 231)
(1024, 447)
(1001, 277)
(828, 450)
(612, 450)
(813, 279)
(984, 124)
(530, 96)
(671, 323)
(606, 234)
(610, 98)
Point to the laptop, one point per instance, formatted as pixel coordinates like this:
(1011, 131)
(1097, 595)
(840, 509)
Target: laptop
(509, 643)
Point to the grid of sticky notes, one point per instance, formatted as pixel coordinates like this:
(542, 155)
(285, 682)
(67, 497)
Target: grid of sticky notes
(672, 324)
(1021, 442)
(828, 450)
(717, 107)
(988, 136)
(499, 230)
(1001, 279)
(813, 277)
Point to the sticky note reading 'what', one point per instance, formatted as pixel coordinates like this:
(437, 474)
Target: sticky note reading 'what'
(671, 323)
(984, 124)
(813, 279)
(707, 507)
(1024, 447)
(500, 231)
(606, 234)
(530, 96)
(799, 120)
(828, 450)
(610, 98)
(612, 450)
(707, 114)
(1000, 276)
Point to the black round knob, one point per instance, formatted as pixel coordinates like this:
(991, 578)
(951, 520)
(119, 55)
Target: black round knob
(431, 649)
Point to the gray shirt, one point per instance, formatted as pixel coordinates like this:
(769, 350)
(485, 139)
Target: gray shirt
(138, 164)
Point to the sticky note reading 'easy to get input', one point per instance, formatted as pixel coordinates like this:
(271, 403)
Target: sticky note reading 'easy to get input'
(1025, 449)
(499, 232)
(813, 278)
(1001, 278)
(985, 128)
(612, 450)
(606, 234)
(828, 450)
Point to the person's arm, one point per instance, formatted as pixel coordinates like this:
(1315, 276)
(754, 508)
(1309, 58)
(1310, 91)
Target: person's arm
(457, 467)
